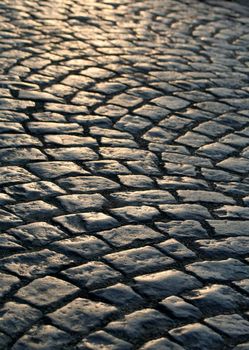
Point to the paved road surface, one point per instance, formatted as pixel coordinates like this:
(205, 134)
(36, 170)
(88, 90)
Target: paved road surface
(124, 179)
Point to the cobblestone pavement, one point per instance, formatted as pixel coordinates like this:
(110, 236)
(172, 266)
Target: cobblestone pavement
(124, 153)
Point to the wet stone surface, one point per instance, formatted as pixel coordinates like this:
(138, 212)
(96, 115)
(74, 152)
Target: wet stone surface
(124, 186)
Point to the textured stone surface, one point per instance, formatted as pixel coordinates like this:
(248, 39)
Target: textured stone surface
(130, 235)
(92, 275)
(7, 283)
(46, 291)
(223, 270)
(162, 284)
(138, 260)
(43, 337)
(139, 324)
(17, 317)
(120, 295)
(196, 336)
(180, 309)
(231, 325)
(187, 229)
(124, 186)
(82, 315)
(102, 339)
(216, 298)
(37, 234)
(35, 263)
(161, 344)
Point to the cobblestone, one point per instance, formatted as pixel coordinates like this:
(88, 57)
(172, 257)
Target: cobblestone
(197, 336)
(124, 187)
(43, 337)
(7, 283)
(189, 229)
(74, 315)
(216, 298)
(223, 270)
(46, 291)
(37, 234)
(232, 325)
(142, 323)
(161, 344)
(166, 283)
(136, 261)
(121, 296)
(17, 317)
(180, 309)
(35, 263)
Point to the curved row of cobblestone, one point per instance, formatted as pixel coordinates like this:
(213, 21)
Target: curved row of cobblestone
(124, 150)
